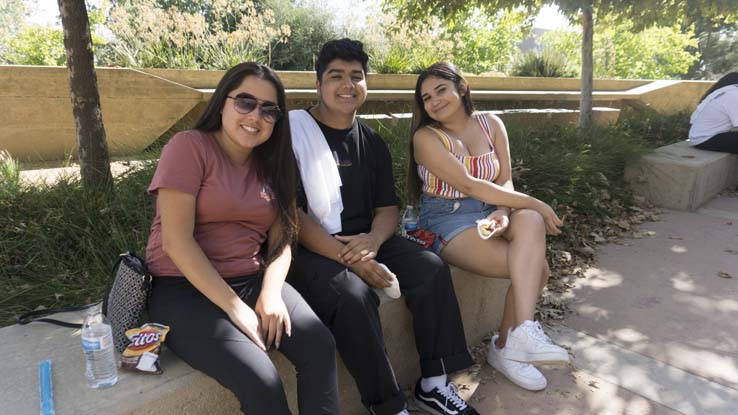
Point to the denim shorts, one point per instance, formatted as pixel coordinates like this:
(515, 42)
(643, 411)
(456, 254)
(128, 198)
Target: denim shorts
(449, 217)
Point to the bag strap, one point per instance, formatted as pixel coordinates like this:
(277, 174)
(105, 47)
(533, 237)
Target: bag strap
(36, 315)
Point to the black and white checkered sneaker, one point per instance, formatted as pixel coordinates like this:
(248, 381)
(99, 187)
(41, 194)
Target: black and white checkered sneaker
(442, 401)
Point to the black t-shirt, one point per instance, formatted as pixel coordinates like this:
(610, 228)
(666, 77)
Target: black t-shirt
(365, 166)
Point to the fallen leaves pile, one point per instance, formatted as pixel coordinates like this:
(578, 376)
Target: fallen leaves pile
(573, 253)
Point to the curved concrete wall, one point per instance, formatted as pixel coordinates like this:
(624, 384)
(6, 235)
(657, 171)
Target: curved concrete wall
(140, 105)
(37, 113)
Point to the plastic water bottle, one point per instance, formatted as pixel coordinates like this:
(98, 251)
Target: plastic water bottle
(97, 342)
(409, 219)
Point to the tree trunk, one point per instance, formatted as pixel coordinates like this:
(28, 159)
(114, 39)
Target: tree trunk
(585, 104)
(91, 143)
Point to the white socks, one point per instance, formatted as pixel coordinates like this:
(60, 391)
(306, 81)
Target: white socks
(403, 412)
(428, 384)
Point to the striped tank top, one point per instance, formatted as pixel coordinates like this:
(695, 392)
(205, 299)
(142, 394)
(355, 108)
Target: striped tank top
(484, 166)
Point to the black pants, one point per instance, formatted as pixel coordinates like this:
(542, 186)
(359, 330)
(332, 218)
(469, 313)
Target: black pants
(724, 142)
(349, 307)
(203, 336)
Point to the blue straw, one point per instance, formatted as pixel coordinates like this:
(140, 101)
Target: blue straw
(46, 392)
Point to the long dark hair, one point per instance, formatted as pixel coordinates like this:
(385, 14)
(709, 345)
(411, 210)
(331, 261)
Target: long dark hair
(273, 160)
(730, 78)
(443, 70)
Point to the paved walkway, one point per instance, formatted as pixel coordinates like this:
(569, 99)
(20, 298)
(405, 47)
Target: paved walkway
(654, 328)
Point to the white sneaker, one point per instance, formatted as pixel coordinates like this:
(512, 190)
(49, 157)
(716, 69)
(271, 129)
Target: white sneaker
(529, 344)
(524, 375)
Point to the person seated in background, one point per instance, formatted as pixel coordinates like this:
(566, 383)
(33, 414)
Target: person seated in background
(223, 190)
(715, 121)
(459, 168)
(348, 247)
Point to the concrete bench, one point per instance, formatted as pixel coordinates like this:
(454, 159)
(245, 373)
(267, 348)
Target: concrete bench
(182, 390)
(679, 176)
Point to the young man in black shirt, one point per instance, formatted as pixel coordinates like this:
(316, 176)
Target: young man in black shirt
(335, 268)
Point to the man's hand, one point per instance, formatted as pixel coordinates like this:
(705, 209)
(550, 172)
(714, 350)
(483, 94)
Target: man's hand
(372, 273)
(362, 247)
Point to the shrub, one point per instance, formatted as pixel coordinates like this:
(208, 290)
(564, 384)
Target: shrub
(653, 128)
(398, 47)
(150, 33)
(12, 16)
(10, 183)
(36, 45)
(544, 64)
(477, 42)
(309, 27)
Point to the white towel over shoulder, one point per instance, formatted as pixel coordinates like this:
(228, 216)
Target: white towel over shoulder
(318, 170)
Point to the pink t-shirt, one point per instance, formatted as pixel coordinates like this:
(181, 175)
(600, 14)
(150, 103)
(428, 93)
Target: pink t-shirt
(233, 209)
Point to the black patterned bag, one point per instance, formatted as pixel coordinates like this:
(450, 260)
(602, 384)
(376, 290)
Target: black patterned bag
(125, 302)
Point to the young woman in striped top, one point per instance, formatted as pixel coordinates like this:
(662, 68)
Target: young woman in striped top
(459, 169)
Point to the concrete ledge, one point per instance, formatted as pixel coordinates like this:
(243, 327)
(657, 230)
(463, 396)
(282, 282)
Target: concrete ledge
(602, 116)
(182, 390)
(306, 80)
(679, 176)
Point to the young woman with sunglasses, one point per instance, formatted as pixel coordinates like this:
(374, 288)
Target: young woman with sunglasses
(459, 168)
(221, 245)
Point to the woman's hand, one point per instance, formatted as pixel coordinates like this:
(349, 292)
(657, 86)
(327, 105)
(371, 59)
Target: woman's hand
(274, 318)
(500, 219)
(246, 319)
(550, 219)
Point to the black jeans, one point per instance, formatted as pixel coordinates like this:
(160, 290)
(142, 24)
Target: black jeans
(349, 307)
(724, 142)
(203, 336)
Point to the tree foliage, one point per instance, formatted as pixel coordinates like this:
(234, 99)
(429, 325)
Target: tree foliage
(36, 45)
(487, 40)
(643, 13)
(477, 42)
(619, 52)
(310, 28)
(12, 15)
(717, 50)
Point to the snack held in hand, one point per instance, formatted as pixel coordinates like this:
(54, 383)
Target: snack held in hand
(485, 227)
(143, 352)
(393, 291)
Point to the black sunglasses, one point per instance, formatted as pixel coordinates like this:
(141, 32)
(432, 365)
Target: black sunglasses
(246, 103)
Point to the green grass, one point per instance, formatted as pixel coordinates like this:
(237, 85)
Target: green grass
(57, 244)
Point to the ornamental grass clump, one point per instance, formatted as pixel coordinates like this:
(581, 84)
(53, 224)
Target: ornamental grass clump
(202, 35)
